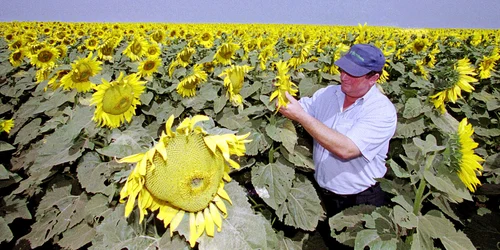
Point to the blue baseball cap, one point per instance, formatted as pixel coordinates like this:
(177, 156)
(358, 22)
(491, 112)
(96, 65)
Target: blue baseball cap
(361, 59)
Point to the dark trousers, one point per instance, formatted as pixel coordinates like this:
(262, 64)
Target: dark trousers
(334, 203)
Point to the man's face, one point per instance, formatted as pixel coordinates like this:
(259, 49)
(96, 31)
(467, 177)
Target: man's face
(354, 86)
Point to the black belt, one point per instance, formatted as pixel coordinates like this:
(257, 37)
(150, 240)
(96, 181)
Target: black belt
(350, 196)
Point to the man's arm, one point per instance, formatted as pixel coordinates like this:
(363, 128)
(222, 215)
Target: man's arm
(333, 141)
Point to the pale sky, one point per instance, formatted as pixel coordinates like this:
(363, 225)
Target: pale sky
(399, 13)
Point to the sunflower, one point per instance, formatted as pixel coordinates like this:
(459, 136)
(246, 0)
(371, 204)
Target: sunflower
(284, 85)
(463, 160)
(183, 175)
(460, 79)
(81, 70)
(153, 50)
(266, 54)
(16, 57)
(187, 87)
(183, 59)
(233, 81)
(55, 81)
(6, 125)
(487, 65)
(206, 40)
(225, 53)
(106, 50)
(45, 57)
(136, 48)
(116, 101)
(92, 43)
(149, 66)
(158, 36)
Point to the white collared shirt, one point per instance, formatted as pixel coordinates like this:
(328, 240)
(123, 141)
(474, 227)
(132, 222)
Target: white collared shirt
(370, 123)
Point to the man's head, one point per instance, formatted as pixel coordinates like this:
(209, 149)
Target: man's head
(362, 59)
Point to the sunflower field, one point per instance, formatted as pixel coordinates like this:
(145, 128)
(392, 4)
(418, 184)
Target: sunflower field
(167, 136)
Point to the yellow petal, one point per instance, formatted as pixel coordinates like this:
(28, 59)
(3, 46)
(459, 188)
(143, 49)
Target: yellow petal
(216, 216)
(176, 221)
(196, 119)
(211, 143)
(192, 230)
(222, 193)
(168, 126)
(200, 224)
(220, 204)
(166, 214)
(132, 158)
(160, 148)
(209, 222)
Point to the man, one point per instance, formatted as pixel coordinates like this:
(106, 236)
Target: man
(351, 125)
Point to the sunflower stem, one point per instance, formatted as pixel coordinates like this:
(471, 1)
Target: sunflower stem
(421, 186)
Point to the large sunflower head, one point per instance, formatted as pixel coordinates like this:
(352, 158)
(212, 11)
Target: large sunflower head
(16, 57)
(233, 81)
(116, 101)
(45, 57)
(283, 84)
(225, 53)
(184, 57)
(183, 175)
(149, 66)
(451, 81)
(136, 48)
(81, 70)
(187, 87)
(487, 64)
(463, 159)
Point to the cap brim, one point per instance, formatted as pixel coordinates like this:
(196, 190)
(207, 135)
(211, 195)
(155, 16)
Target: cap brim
(350, 67)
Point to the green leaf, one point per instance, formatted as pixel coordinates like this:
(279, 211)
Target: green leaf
(307, 87)
(492, 162)
(445, 122)
(283, 132)
(429, 145)
(59, 147)
(5, 233)
(135, 139)
(398, 170)
(345, 225)
(93, 174)
(28, 132)
(286, 243)
(146, 98)
(442, 203)
(5, 146)
(434, 225)
(445, 184)
(58, 211)
(242, 229)
(404, 217)
(493, 104)
(115, 232)
(234, 122)
(302, 208)
(300, 157)
(260, 142)
(77, 237)
(273, 182)
(13, 208)
(413, 108)
(372, 239)
(220, 103)
(410, 128)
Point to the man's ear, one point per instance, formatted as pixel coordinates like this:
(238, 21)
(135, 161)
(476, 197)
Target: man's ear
(374, 78)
